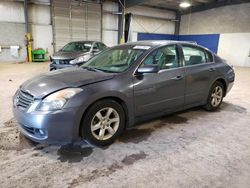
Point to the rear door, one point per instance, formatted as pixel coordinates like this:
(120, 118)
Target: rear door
(162, 91)
(199, 70)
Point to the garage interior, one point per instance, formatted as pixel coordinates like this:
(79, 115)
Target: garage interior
(192, 148)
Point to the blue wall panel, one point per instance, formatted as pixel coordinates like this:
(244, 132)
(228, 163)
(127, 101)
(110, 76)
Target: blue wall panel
(210, 41)
(150, 36)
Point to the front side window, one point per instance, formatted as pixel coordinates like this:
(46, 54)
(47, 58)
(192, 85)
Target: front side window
(193, 55)
(77, 47)
(101, 46)
(165, 58)
(115, 60)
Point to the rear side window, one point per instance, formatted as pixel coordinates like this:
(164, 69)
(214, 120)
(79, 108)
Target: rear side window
(193, 55)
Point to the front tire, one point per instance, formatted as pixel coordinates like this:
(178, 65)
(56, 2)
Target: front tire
(215, 96)
(103, 122)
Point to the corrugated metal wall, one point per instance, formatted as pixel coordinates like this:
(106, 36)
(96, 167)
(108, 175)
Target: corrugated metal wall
(150, 20)
(41, 27)
(110, 23)
(74, 21)
(12, 30)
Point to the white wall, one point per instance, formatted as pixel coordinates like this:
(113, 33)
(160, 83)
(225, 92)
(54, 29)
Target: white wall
(41, 28)
(144, 19)
(43, 37)
(231, 22)
(11, 12)
(39, 14)
(227, 19)
(235, 47)
(150, 20)
(12, 30)
(110, 23)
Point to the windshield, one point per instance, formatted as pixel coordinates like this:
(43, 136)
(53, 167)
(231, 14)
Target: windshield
(77, 47)
(115, 60)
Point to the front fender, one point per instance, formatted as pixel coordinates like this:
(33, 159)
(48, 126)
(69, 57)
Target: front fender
(97, 91)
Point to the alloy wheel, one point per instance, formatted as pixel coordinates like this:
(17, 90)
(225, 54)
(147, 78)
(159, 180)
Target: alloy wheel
(216, 96)
(105, 123)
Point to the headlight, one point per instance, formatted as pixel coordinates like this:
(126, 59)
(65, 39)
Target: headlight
(57, 100)
(78, 60)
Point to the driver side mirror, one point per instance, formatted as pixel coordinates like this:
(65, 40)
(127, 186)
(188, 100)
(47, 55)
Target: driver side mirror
(148, 69)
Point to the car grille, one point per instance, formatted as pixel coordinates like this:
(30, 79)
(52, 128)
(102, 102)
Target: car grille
(24, 99)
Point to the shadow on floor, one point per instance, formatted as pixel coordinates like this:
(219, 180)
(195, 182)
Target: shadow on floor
(11, 139)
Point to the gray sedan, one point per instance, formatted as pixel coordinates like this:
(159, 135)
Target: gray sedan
(75, 54)
(118, 88)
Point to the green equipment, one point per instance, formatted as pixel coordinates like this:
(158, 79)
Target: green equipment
(39, 55)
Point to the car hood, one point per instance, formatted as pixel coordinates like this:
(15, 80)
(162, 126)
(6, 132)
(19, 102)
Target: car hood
(67, 55)
(44, 84)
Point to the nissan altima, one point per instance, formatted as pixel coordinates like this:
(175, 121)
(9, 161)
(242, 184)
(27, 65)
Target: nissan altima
(118, 88)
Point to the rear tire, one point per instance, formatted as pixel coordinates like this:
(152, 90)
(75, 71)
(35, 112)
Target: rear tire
(103, 122)
(215, 97)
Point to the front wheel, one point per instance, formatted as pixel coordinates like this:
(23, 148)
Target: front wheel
(103, 122)
(215, 97)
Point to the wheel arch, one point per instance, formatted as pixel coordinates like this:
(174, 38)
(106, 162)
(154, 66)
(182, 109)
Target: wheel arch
(115, 98)
(224, 83)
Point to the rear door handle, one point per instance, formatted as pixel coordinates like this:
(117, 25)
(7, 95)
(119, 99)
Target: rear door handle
(177, 77)
(211, 69)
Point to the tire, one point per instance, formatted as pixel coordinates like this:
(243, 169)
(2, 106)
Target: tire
(103, 122)
(215, 96)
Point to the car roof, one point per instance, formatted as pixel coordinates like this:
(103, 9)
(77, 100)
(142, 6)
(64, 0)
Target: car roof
(158, 42)
(89, 41)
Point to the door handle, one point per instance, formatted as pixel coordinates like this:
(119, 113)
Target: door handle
(177, 77)
(211, 69)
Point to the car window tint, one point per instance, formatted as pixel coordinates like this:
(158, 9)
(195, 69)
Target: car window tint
(165, 58)
(193, 55)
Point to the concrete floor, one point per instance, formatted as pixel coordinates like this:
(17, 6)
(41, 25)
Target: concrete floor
(193, 148)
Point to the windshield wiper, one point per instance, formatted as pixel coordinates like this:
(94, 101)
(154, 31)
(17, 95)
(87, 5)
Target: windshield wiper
(96, 69)
(90, 68)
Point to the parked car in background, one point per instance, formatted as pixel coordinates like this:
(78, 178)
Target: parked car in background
(120, 87)
(75, 54)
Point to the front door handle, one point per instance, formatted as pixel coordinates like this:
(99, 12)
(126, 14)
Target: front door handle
(177, 77)
(211, 69)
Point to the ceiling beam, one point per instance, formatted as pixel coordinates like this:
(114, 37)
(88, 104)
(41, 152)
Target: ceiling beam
(130, 3)
(212, 5)
(157, 7)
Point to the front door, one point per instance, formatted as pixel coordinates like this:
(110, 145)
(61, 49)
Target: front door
(162, 91)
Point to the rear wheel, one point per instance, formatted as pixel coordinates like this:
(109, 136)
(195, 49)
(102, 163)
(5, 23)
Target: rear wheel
(103, 122)
(215, 96)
